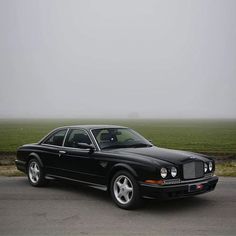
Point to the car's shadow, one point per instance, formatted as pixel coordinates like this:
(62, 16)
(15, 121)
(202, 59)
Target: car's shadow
(150, 205)
(176, 205)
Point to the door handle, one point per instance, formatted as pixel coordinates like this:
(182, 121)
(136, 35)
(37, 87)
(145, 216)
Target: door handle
(62, 152)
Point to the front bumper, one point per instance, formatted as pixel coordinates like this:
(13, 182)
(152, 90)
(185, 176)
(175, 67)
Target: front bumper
(20, 165)
(188, 188)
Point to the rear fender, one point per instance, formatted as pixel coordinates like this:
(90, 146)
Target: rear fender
(37, 157)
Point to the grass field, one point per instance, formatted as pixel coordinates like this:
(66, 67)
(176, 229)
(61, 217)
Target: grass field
(217, 137)
(214, 137)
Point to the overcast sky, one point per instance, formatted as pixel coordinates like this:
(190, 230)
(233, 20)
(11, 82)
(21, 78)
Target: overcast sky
(119, 59)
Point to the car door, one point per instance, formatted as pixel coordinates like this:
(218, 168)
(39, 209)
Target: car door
(50, 152)
(81, 163)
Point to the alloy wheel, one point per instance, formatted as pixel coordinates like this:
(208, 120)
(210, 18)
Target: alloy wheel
(34, 172)
(123, 189)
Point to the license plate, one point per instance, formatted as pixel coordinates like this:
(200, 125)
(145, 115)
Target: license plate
(196, 187)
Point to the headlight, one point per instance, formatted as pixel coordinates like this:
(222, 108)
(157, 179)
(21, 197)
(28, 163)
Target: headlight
(205, 167)
(210, 166)
(163, 172)
(173, 171)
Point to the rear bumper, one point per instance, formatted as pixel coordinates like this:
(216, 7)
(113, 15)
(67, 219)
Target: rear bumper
(178, 190)
(21, 165)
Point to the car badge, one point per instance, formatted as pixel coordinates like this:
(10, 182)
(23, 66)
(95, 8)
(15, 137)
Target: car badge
(103, 164)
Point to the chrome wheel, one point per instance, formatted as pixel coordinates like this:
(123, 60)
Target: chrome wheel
(34, 172)
(123, 189)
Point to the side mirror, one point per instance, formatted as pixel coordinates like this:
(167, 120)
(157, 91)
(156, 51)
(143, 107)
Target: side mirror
(86, 146)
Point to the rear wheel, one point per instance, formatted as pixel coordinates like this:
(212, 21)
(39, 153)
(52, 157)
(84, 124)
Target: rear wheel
(35, 173)
(125, 190)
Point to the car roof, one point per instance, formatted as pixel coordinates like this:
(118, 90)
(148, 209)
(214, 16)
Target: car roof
(89, 127)
(86, 127)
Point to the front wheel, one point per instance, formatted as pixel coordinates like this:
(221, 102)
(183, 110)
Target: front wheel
(35, 173)
(125, 190)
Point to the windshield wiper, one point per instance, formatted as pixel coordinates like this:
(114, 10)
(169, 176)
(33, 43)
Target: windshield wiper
(136, 145)
(115, 146)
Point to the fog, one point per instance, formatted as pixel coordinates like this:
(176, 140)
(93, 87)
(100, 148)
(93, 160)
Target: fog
(118, 59)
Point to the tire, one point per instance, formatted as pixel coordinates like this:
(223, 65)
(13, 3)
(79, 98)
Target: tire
(125, 190)
(35, 173)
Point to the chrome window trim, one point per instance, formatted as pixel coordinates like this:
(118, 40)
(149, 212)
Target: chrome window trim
(49, 145)
(84, 150)
(85, 132)
(47, 135)
(92, 139)
(95, 140)
(65, 137)
(42, 141)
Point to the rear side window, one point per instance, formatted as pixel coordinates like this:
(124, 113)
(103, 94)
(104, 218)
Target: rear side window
(56, 138)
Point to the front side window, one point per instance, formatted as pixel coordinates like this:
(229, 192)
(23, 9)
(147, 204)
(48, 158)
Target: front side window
(76, 136)
(119, 138)
(56, 138)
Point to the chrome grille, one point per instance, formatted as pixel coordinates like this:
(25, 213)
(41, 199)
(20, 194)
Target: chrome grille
(193, 170)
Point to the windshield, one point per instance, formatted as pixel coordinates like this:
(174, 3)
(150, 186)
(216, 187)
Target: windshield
(108, 138)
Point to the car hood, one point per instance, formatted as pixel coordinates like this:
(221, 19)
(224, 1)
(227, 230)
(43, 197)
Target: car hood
(167, 155)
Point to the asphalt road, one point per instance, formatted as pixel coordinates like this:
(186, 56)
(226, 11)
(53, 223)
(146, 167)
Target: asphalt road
(70, 209)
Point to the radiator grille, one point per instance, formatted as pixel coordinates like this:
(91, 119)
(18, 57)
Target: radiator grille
(193, 170)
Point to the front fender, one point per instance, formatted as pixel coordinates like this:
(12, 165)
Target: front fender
(118, 167)
(122, 166)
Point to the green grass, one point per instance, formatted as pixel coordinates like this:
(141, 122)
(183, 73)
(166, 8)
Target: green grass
(226, 169)
(208, 136)
(10, 171)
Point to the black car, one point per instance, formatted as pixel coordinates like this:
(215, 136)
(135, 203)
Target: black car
(119, 160)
